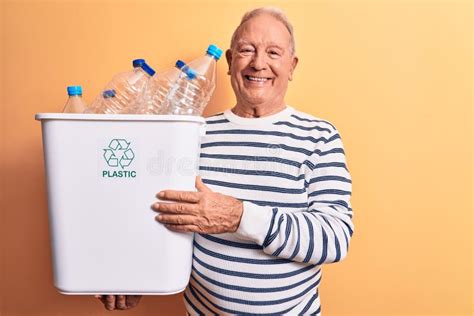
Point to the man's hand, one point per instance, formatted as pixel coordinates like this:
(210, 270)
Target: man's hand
(120, 302)
(204, 211)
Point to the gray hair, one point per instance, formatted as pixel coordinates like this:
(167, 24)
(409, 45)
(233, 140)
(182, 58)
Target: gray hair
(274, 12)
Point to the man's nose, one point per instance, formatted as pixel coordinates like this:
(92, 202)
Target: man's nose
(258, 61)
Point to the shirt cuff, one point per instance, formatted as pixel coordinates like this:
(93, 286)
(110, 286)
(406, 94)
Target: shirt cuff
(254, 223)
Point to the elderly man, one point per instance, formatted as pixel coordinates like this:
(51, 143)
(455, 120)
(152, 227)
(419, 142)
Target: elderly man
(273, 203)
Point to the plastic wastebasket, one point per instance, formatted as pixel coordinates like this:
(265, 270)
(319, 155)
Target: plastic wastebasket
(102, 174)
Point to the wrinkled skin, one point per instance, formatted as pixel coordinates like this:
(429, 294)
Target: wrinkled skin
(205, 211)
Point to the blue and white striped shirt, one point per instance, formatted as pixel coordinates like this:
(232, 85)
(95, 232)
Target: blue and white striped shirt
(290, 170)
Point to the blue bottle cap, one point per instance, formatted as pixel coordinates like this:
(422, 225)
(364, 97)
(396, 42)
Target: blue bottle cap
(138, 62)
(214, 51)
(180, 64)
(108, 94)
(74, 90)
(147, 69)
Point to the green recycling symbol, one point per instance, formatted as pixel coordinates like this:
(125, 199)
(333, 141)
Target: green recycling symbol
(119, 153)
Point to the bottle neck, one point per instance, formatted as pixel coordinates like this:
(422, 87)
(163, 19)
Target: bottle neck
(211, 56)
(141, 71)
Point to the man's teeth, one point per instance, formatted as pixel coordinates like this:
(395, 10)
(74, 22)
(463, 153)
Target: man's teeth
(256, 79)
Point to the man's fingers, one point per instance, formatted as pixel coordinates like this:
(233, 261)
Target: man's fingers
(176, 219)
(120, 302)
(132, 300)
(175, 208)
(184, 228)
(179, 196)
(192, 228)
(109, 302)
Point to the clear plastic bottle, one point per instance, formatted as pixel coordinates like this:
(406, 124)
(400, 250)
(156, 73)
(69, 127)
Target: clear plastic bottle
(75, 103)
(153, 100)
(184, 96)
(191, 93)
(128, 87)
(106, 101)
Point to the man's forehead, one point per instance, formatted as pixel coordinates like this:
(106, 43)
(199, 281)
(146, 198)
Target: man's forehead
(264, 28)
(243, 41)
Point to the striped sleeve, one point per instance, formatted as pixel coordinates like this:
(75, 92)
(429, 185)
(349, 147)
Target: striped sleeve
(319, 233)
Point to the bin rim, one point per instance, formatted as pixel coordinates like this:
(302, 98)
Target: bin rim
(119, 117)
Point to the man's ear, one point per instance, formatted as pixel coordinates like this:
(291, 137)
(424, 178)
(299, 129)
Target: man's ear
(294, 62)
(228, 57)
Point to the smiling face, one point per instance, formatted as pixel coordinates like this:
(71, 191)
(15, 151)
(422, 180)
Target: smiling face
(261, 62)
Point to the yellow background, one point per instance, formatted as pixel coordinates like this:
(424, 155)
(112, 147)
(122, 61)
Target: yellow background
(395, 77)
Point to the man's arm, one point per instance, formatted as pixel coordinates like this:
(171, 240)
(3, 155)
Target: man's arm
(318, 234)
(322, 232)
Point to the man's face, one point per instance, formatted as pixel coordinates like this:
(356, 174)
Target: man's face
(261, 62)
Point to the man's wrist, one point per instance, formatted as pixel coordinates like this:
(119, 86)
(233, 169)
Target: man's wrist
(239, 211)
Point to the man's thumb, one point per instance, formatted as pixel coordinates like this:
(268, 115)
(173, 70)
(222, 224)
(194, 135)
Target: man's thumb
(200, 186)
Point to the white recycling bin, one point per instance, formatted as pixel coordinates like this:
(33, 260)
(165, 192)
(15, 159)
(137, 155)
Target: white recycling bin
(103, 173)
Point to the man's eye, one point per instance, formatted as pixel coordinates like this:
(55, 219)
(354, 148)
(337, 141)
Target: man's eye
(274, 53)
(246, 50)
